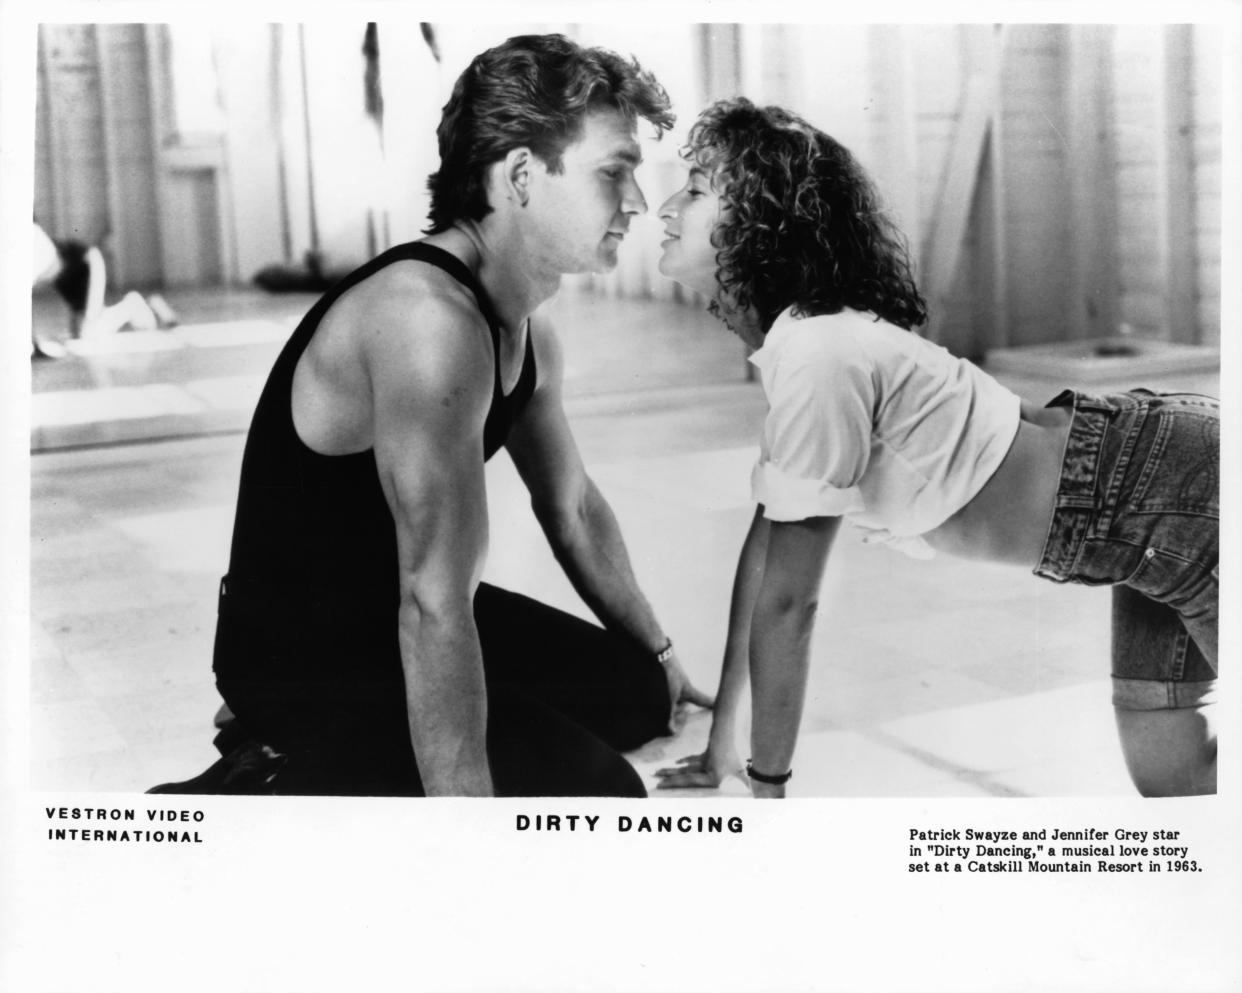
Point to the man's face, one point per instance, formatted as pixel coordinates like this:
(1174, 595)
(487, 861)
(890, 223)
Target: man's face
(579, 215)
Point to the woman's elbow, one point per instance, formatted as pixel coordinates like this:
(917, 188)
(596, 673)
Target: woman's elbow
(797, 606)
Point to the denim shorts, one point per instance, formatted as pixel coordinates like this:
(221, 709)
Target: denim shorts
(1138, 508)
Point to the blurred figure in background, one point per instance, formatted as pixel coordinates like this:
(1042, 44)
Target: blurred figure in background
(79, 275)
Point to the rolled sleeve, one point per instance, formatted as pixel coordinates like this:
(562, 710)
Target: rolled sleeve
(791, 498)
(816, 441)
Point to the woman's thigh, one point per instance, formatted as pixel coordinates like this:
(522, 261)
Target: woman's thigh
(1158, 661)
(1156, 537)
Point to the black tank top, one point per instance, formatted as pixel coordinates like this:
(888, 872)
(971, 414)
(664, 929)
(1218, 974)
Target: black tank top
(314, 529)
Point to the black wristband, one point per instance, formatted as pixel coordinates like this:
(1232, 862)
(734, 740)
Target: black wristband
(665, 653)
(760, 777)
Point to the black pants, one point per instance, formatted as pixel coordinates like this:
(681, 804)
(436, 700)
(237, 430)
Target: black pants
(564, 699)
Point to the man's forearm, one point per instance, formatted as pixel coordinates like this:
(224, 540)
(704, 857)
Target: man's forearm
(446, 698)
(588, 544)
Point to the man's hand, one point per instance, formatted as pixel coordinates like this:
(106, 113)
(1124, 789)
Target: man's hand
(682, 693)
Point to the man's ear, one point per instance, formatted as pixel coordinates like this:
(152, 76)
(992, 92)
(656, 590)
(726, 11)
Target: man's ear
(515, 175)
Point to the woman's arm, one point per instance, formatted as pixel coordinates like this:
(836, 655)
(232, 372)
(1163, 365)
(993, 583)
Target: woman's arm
(735, 670)
(780, 641)
(771, 617)
(711, 767)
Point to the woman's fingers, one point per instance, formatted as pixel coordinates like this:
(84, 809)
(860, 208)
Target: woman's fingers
(683, 779)
(687, 763)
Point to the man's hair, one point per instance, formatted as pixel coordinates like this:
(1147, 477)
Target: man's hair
(531, 91)
(803, 227)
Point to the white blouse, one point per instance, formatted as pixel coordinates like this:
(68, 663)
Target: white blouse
(868, 421)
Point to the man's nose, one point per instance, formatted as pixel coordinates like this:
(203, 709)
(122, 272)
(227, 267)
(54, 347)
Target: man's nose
(633, 202)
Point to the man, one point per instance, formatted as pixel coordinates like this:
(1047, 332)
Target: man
(354, 636)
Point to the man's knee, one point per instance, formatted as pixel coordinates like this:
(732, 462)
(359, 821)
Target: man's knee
(625, 781)
(647, 714)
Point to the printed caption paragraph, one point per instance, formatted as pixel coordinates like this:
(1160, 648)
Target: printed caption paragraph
(1050, 850)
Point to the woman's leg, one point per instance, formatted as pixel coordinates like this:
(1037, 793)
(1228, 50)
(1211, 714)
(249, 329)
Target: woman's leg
(1165, 616)
(1138, 508)
(598, 680)
(1163, 695)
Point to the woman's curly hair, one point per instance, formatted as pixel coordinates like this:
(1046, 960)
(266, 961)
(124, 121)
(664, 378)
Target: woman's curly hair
(802, 225)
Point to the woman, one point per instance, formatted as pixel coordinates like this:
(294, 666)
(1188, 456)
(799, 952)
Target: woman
(779, 226)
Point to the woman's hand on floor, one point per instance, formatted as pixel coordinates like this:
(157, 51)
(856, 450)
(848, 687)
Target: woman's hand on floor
(706, 770)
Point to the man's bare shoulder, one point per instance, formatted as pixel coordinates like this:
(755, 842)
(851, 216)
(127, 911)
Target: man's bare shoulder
(415, 320)
(413, 298)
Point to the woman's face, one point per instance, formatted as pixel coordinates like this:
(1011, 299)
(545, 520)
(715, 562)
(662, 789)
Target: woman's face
(690, 216)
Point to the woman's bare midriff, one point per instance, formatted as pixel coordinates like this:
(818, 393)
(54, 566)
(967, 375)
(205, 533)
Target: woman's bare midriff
(1007, 520)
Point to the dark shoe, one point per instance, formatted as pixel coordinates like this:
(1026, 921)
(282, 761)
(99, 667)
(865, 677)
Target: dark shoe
(223, 716)
(229, 734)
(248, 770)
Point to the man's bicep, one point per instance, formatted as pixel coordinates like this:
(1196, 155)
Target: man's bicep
(428, 424)
(437, 497)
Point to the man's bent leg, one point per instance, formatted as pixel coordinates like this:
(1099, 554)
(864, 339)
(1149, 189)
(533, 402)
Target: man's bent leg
(337, 739)
(599, 680)
(536, 751)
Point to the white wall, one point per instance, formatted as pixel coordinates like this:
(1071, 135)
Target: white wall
(1067, 203)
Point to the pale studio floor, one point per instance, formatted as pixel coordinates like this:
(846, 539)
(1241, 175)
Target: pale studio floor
(937, 678)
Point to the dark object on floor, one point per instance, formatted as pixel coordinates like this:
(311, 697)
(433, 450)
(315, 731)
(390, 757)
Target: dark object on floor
(310, 277)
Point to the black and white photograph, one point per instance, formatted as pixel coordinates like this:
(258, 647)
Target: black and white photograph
(461, 462)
